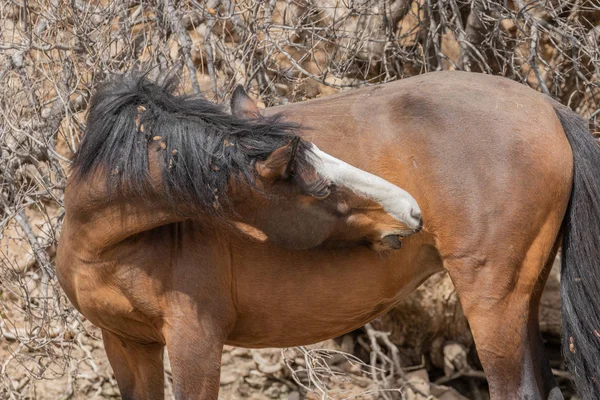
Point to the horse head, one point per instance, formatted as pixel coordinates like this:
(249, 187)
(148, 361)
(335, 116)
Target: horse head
(176, 157)
(304, 197)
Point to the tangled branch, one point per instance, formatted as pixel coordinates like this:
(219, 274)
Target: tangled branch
(53, 53)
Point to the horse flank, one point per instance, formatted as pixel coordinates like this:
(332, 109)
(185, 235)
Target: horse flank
(200, 146)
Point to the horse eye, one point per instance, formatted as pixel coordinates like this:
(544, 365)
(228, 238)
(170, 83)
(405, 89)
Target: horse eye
(322, 195)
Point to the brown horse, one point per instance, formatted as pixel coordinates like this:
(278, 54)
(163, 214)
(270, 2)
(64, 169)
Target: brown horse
(179, 219)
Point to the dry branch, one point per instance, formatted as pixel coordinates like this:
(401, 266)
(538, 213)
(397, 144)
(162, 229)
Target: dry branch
(54, 53)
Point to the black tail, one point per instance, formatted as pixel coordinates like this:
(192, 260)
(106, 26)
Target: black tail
(580, 275)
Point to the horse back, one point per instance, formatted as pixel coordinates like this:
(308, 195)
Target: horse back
(472, 149)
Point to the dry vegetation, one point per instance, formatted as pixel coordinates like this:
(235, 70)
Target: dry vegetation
(54, 52)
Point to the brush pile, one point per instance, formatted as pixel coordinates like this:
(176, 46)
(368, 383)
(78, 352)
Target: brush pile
(53, 53)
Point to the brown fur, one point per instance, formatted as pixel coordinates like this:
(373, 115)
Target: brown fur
(487, 161)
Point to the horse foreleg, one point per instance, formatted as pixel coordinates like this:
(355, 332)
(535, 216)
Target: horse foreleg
(195, 348)
(501, 300)
(138, 367)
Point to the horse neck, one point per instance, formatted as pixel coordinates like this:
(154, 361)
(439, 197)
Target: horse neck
(99, 219)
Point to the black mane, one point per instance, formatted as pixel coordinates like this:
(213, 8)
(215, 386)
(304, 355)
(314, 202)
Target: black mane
(202, 146)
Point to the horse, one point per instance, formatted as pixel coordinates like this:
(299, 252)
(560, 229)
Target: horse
(189, 228)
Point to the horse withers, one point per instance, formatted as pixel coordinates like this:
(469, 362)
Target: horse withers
(152, 251)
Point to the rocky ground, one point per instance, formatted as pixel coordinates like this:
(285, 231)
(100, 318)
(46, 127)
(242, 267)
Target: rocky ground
(246, 374)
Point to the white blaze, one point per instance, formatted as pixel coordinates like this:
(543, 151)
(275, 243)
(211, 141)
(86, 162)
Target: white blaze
(394, 200)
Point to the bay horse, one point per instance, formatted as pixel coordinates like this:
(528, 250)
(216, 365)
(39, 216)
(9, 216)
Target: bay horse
(301, 246)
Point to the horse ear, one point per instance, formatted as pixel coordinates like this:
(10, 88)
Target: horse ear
(242, 105)
(278, 165)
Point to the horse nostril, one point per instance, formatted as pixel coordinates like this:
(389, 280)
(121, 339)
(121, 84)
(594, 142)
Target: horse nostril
(418, 228)
(416, 214)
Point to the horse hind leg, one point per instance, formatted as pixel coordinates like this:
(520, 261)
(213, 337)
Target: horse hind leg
(538, 370)
(500, 296)
(138, 367)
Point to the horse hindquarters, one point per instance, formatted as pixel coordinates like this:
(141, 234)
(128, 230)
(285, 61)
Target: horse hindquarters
(501, 257)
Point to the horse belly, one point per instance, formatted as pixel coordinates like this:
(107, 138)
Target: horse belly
(304, 302)
(303, 328)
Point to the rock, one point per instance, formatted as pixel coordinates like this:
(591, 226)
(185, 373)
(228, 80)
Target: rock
(228, 377)
(446, 393)
(294, 396)
(418, 385)
(455, 358)
(276, 391)
(267, 361)
(347, 345)
(256, 379)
